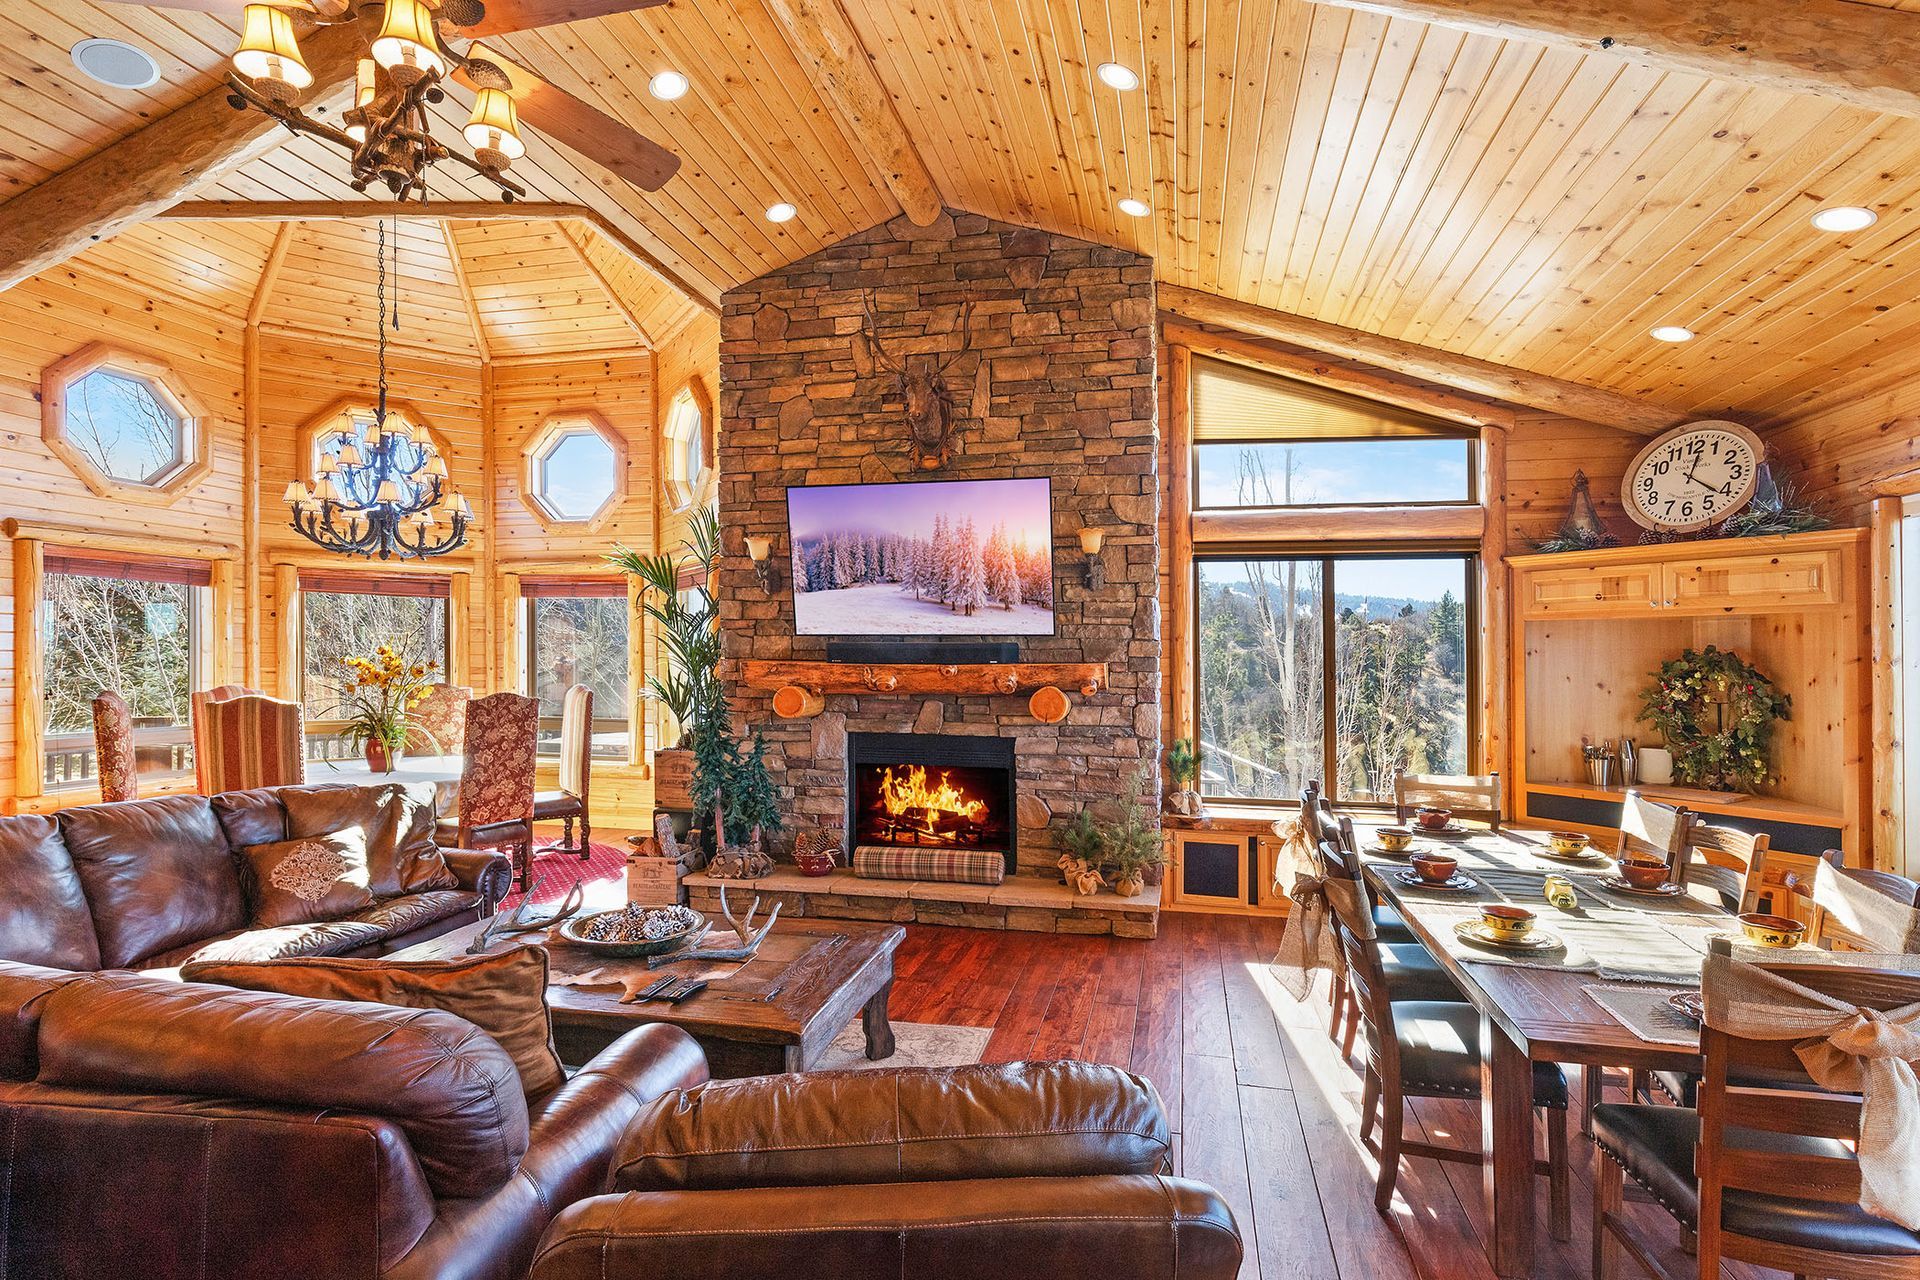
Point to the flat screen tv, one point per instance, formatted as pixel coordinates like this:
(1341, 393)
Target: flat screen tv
(922, 558)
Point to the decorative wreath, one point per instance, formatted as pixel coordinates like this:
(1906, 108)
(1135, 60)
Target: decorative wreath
(1716, 713)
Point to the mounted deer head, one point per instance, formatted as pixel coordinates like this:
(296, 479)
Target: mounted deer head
(929, 400)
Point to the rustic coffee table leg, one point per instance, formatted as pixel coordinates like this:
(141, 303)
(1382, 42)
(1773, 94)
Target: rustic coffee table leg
(879, 1030)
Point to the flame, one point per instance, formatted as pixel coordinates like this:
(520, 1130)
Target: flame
(910, 791)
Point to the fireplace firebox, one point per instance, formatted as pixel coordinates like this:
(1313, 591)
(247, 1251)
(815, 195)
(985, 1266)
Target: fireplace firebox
(932, 790)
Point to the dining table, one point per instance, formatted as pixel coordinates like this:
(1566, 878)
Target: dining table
(1595, 989)
(443, 772)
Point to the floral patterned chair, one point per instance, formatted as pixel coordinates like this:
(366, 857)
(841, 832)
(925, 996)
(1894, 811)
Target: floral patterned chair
(442, 718)
(247, 741)
(113, 747)
(576, 772)
(496, 785)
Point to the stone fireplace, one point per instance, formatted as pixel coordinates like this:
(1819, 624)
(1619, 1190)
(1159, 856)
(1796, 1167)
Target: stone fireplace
(932, 790)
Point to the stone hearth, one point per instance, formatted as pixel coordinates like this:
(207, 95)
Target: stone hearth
(1031, 903)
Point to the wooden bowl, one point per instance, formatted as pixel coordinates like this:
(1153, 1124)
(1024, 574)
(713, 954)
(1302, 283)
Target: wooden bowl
(1506, 921)
(574, 931)
(1432, 817)
(1394, 839)
(1771, 931)
(1434, 868)
(1568, 841)
(1643, 873)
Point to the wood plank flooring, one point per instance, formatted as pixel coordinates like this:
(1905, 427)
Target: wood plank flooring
(1262, 1107)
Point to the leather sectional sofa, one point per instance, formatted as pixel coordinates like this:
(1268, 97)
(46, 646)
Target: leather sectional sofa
(151, 884)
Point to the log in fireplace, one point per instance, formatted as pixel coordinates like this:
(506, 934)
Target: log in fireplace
(931, 790)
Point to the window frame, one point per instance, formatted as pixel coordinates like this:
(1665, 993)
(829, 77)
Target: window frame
(684, 490)
(293, 648)
(547, 436)
(530, 652)
(195, 462)
(1327, 554)
(1467, 435)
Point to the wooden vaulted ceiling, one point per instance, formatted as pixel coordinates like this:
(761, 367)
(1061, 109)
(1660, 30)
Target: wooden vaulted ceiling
(1533, 205)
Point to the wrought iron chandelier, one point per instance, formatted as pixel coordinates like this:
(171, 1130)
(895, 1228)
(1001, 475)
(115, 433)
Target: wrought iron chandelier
(381, 490)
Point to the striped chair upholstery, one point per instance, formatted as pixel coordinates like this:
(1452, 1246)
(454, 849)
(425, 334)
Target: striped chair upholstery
(443, 715)
(496, 784)
(248, 741)
(576, 773)
(113, 747)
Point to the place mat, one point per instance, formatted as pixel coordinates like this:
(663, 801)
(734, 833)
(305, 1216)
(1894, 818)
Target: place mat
(1611, 947)
(1646, 1013)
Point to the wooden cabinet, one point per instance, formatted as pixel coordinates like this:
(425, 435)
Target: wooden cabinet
(1227, 865)
(1610, 584)
(1782, 580)
(1589, 591)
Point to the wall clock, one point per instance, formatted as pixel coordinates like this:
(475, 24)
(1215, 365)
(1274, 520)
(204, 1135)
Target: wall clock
(1693, 476)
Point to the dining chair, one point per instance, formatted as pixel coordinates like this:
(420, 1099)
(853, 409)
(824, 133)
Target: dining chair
(247, 741)
(1649, 829)
(1859, 909)
(1766, 1174)
(441, 720)
(1427, 1048)
(113, 754)
(496, 781)
(1475, 797)
(576, 773)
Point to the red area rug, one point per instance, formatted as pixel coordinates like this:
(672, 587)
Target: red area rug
(554, 873)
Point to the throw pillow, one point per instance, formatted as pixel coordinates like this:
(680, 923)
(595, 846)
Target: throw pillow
(504, 995)
(309, 878)
(398, 820)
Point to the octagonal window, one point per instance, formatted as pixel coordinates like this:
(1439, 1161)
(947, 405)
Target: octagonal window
(687, 449)
(575, 471)
(123, 422)
(350, 439)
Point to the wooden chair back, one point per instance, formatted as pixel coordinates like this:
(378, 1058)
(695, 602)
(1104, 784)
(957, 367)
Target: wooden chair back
(576, 741)
(1728, 863)
(1474, 797)
(248, 741)
(1858, 909)
(113, 753)
(1649, 829)
(1310, 812)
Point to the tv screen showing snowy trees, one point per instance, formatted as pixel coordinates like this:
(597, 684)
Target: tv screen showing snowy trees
(942, 557)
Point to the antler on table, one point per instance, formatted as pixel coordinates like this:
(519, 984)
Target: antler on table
(750, 938)
(516, 921)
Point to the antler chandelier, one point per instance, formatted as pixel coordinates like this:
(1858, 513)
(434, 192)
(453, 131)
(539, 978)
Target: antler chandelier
(367, 503)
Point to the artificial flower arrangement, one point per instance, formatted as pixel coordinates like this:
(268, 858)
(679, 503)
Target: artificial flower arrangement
(383, 690)
(1716, 713)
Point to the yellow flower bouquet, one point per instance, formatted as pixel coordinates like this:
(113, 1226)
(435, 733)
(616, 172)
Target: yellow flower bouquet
(381, 690)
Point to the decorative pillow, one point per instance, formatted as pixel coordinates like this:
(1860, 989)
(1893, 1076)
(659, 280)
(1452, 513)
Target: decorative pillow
(309, 878)
(504, 995)
(398, 820)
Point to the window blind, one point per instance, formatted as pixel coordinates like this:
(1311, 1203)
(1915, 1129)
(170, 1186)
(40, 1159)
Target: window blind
(130, 568)
(573, 588)
(1232, 402)
(418, 586)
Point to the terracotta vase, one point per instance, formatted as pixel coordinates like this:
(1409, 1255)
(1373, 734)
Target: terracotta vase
(382, 758)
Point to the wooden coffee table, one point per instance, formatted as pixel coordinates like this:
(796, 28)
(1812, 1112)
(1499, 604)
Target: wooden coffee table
(778, 1012)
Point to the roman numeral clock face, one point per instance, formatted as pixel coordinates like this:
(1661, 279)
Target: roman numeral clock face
(1693, 476)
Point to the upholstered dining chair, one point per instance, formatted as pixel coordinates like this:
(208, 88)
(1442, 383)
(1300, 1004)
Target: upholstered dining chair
(441, 717)
(1475, 797)
(113, 747)
(576, 773)
(1426, 1046)
(496, 783)
(247, 741)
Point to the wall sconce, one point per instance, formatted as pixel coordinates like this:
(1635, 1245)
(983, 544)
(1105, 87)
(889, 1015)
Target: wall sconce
(760, 550)
(1093, 571)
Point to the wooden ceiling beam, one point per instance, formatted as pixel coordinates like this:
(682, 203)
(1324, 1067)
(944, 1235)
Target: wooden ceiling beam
(452, 210)
(466, 291)
(627, 313)
(842, 70)
(270, 273)
(155, 166)
(1463, 373)
(1855, 53)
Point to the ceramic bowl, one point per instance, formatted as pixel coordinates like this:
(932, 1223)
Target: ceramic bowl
(1643, 873)
(1434, 868)
(1394, 839)
(1771, 931)
(1433, 818)
(1568, 841)
(1506, 921)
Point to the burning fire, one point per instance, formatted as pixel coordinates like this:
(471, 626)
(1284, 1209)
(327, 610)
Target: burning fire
(910, 792)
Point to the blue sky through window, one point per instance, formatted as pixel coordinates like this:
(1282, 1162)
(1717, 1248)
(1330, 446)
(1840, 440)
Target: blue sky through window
(1332, 472)
(122, 425)
(576, 475)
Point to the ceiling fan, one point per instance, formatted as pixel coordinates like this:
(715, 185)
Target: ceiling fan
(387, 131)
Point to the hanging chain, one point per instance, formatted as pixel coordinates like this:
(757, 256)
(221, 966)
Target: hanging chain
(380, 315)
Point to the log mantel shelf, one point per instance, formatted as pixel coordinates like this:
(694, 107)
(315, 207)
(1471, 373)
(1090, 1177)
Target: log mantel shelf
(1087, 678)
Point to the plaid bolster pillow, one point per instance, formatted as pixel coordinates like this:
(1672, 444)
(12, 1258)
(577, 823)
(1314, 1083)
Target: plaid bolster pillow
(955, 866)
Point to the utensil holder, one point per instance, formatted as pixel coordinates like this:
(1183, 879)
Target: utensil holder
(1600, 771)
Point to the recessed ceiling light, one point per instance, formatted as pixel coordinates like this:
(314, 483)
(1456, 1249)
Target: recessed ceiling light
(667, 86)
(1135, 208)
(116, 63)
(1673, 333)
(1845, 217)
(781, 212)
(1115, 76)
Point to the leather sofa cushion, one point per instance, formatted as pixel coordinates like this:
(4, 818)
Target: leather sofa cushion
(443, 1081)
(43, 909)
(413, 911)
(310, 878)
(505, 995)
(157, 873)
(1440, 1054)
(251, 817)
(1022, 1119)
(398, 821)
(23, 989)
(1656, 1146)
(318, 938)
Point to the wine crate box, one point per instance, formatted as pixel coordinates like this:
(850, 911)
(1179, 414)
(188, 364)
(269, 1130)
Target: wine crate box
(673, 779)
(652, 882)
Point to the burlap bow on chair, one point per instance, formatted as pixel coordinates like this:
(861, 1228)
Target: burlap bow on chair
(1308, 943)
(1848, 1049)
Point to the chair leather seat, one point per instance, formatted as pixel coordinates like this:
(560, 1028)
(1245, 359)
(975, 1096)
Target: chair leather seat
(1390, 926)
(1684, 1086)
(1655, 1145)
(1413, 974)
(556, 804)
(1440, 1054)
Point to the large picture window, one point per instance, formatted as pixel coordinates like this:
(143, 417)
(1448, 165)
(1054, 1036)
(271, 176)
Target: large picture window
(577, 633)
(347, 615)
(130, 625)
(1343, 669)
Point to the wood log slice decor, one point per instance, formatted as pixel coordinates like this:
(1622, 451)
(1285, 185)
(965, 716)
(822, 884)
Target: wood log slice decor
(1048, 704)
(792, 702)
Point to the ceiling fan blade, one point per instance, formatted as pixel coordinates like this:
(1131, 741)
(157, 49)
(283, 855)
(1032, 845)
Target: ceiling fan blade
(579, 127)
(225, 8)
(524, 15)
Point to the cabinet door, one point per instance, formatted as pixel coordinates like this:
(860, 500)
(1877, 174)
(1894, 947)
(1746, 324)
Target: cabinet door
(1210, 869)
(1790, 579)
(1590, 591)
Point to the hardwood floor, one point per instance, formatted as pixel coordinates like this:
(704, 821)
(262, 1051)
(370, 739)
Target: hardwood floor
(1262, 1107)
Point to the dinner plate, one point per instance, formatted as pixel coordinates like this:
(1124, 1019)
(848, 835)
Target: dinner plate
(1615, 883)
(1451, 831)
(1457, 881)
(1478, 934)
(1688, 1004)
(1587, 858)
(1398, 855)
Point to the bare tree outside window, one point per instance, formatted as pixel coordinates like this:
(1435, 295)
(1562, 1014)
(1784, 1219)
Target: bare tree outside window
(135, 638)
(336, 626)
(121, 426)
(581, 641)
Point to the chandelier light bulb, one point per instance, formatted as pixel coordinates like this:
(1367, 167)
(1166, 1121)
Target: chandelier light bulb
(269, 55)
(364, 91)
(406, 45)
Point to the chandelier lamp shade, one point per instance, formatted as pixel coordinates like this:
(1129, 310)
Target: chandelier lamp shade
(269, 55)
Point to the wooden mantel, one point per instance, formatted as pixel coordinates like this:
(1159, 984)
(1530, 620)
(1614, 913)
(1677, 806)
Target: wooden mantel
(923, 677)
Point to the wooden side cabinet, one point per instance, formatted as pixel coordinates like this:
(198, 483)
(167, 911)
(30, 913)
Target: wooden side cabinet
(1226, 866)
